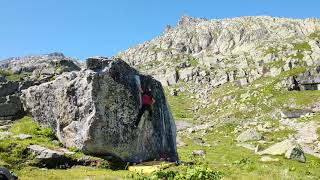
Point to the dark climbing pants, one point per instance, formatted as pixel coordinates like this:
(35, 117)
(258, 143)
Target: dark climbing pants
(141, 111)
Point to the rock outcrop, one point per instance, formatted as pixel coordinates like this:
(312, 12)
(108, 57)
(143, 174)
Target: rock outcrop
(17, 74)
(94, 110)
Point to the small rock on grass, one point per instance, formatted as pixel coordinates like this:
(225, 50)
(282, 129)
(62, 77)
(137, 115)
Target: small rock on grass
(296, 153)
(24, 136)
(249, 135)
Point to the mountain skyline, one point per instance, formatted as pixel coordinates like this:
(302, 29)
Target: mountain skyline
(82, 29)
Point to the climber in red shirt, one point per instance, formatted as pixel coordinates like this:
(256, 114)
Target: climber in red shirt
(147, 102)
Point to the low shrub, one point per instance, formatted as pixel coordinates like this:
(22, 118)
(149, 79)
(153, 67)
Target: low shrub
(193, 172)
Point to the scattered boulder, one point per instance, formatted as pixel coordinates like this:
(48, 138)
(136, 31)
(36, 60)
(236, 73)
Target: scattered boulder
(45, 153)
(180, 143)
(295, 153)
(241, 82)
(182, 125)
(4, 135)
(52, 158)
(10, 107)
(2, 78)
(278, 148)
(173, 92)
(201, 142)
(249, 135)
(5, 127)
(93, 110)
(24, 136)
(186, 74)
(294, 113)
(172, 77)
(200, 127)
(198, 153)
(8, 88)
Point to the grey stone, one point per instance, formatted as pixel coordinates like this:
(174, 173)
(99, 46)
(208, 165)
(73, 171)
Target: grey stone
(279, 148)
(182, 125)
(186, 74)
(2, 79)
(24, 136)
(200, 153)
(249, 135)
(45, 153)
(48, 71)
(173, 92)
(294, 113)
(180, 143)
(10, 107)
(8, 88)
(93, 110)
(5, 127)
(241, 82)
(4, 135)
(26, 84)
(41, 62)
(296, 153)
(172, 77)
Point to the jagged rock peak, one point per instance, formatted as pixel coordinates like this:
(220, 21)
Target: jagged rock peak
(56, 54)
(185, 20)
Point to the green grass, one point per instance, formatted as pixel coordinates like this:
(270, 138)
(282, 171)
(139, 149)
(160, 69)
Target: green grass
(304, 46)
(149, 64)
(239, 163)
(181, 106)
(13, 151)
(74, 173)
(278, 64)
(267, 98)
(315, 35)
(193, 61)
(15, 77)
(4, 73)
(277, 136)
(272, 50)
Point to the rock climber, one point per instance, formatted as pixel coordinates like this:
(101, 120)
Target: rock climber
(147, 102)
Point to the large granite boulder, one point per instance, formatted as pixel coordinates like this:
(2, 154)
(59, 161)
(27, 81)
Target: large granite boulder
(8, 88)
(17, 74)
(10, 107)
(94, 110)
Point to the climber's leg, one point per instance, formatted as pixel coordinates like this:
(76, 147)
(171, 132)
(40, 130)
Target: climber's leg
(141, 111)
(149, 109)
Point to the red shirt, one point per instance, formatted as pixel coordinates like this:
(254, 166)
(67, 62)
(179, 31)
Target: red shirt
(146, 100)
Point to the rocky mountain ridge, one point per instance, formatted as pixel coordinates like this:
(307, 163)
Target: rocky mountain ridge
(239, 71)
(233, 49)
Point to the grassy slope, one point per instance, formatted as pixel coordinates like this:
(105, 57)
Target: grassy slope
(13, 155)
(74, 173)
(238, 163)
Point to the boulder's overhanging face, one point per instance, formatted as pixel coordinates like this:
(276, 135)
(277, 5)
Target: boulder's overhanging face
(93, 110)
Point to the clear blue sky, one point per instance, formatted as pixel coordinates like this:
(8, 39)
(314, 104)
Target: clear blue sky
(82, 28)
